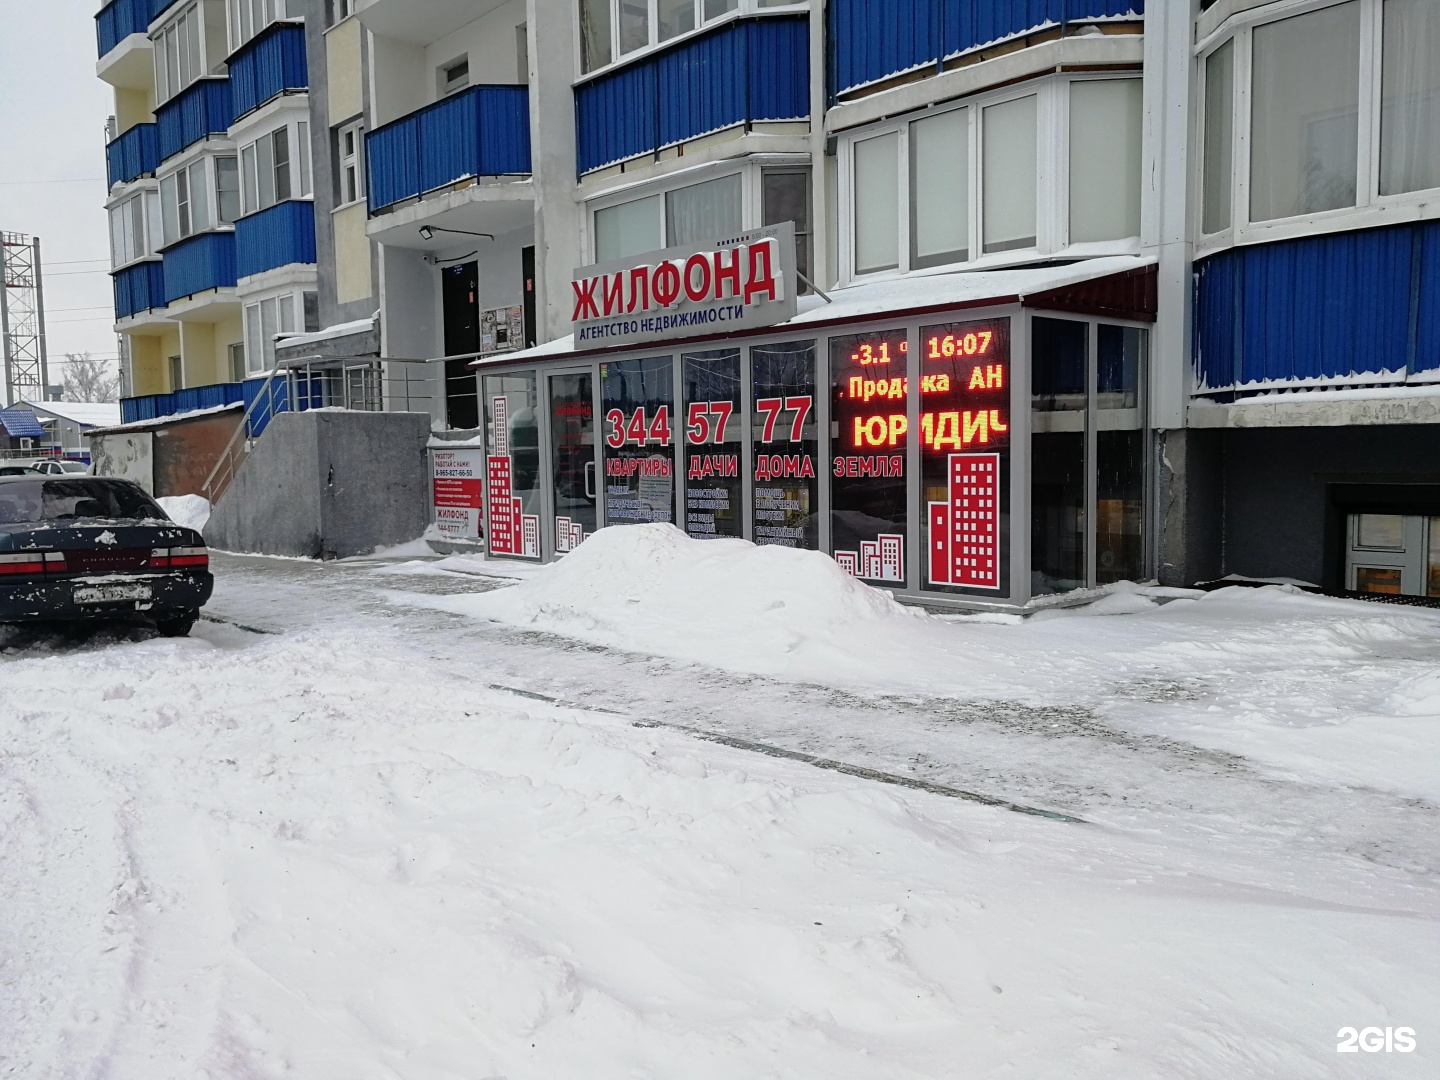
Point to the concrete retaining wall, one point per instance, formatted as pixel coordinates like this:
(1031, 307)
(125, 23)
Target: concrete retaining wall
(328, 484)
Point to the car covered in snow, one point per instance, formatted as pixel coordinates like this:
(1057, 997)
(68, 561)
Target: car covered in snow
(97, 548)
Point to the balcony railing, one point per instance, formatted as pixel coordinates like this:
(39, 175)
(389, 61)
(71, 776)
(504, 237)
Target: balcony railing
(132, 155)
(1347, 308)
(872, 40)
(151, 406)
(202, 108)
(483, 131)
(199, 264)
(121, 18)
(267, 65)
(279, 236)
(753, 70)
(139, 287)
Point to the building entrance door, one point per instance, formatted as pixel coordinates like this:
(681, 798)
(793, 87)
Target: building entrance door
(459, 295)
(572, 452)
(1395, 554)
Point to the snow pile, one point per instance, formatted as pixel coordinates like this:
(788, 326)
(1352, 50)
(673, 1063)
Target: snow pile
(191, 511)
(651, 588)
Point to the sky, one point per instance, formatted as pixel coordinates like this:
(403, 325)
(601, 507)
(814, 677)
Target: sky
(52, 165)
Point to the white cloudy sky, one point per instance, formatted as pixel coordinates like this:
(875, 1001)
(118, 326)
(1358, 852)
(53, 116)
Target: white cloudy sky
(52, 164)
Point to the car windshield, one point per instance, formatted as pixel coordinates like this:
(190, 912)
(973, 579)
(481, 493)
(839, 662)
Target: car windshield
(66, 500)
(74, 467)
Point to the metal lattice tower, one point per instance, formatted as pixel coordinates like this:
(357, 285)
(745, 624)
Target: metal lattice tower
(22, 319)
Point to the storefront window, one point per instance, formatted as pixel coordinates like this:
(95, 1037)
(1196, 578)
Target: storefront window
(572, 447)
(785, 437)
(639, 404)
(1120, 454)
(713, 425)
(868, 433)
(512, 465)
(1058, 383)
(965, 455)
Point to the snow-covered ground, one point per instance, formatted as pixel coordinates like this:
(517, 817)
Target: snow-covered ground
(454, 818)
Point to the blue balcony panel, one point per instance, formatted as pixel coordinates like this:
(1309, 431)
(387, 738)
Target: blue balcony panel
(134, 154)
(268, 65)
(198, 264)
(119, 19)
(482, 131)
(743, 72)
(202, 108)
(1332, 307)
(279, 236)
(139, 287)
(151, 406)
(871, 40)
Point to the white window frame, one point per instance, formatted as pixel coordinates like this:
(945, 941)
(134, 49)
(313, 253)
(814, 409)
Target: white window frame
(341, 10)
(260, 352)
(177, 28)
(1052, 181)
(247, 19)
(1371, 209)
(144, 243)
(356, 161)
(301, 170)
(750, 171)
(744, 9)
(208, 173)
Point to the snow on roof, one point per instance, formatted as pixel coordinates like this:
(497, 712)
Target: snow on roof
(86, 413)
(162, 421)
(914, 291)
(330, 333)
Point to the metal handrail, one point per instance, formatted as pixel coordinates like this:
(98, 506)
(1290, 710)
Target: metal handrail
(227, 456)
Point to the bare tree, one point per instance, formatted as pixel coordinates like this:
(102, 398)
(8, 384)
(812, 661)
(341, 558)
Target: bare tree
(90, 379)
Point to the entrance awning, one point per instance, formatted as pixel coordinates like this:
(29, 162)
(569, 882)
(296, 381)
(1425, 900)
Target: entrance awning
(1117, 287)
(21, 424)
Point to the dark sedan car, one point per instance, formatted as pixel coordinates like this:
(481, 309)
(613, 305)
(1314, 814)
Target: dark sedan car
(88, 547)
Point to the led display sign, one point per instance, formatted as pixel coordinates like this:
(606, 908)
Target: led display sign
(965, 453)
(869, 429)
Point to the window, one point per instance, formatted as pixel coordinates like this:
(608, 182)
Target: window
(940, 189)
(249, 17)
(594, 34)
(877, 204)
(179, 59)
(1104, 160)
(1410, 97)
(1010, 175)
(276, 167)
(227, 189)
(629, 229)
(267, 318)
(785, 196)
(237, 361)
(341, 9)
(701, 211)
(1305, 113)
(1219, 132)
(959, 183)
(185, 202)
(177, 373)
(351, 174)
(614, 29)
(454, 76)
(130, 237)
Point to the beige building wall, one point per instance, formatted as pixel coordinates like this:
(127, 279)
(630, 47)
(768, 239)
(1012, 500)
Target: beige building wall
(149, 361)
(133, 107)
(353, 280)
(344, 73)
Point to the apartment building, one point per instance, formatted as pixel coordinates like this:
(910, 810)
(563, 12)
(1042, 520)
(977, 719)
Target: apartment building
(1200, 259)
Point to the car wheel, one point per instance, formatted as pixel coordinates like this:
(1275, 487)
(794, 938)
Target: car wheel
(177, 625)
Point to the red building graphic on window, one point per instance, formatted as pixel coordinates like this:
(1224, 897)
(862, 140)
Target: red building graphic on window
(511, 532)
(965, 532)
